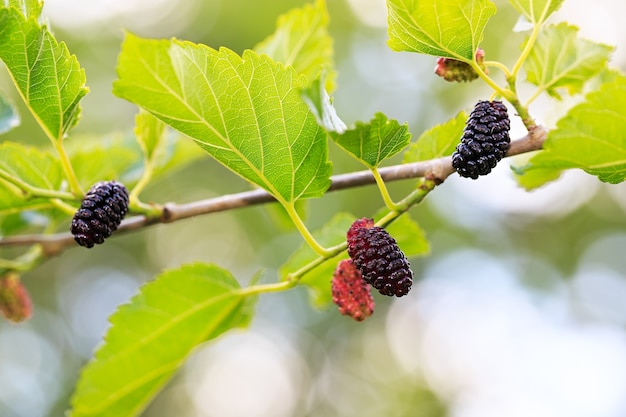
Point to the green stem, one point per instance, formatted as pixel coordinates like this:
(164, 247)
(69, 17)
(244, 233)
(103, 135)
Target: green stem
(24, 262)
(382, 187)
(63, 206)
(68, 169)
(527, 48)
(504, 92)
(30, 192)
(304, 231)
(142, 183)
(266, 288)
(500, 66)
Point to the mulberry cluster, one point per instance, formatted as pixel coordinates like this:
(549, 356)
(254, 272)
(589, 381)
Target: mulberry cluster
(453, 70)
(100, 213)
(377, 255)
(485, 140)
(350, 291)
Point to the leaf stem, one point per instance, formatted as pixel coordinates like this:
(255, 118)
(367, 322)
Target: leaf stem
(146, 176)
(68, 169)
(266, 288)
(504, 92)
(384, 192)
(500, 66)
(31, 192)
(304, 231)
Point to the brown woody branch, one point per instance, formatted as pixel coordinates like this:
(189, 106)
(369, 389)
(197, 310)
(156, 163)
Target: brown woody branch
(438, 169)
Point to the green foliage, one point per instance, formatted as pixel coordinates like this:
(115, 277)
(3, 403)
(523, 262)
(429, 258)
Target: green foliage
(560, 59)
(27, 165)
(440, 140)
(49, 79)
(29, 8)
(536, 11)
(246, 111)
(373, 142)
(301, 40)
(9, 118)
(591, 136)
(446, 28)
(151, 336)
(149, 132)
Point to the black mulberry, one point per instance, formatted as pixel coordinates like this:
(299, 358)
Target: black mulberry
(485, 140)
(377, 255)
(350, 291)
(100, 213)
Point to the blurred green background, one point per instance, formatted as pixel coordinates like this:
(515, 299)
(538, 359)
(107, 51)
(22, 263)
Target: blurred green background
(519, 310)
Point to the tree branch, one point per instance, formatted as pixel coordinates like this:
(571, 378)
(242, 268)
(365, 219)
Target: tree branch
(438, 169)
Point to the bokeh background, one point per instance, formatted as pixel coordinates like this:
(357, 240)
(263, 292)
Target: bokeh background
(519, 310)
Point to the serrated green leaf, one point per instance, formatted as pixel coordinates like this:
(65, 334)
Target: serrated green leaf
(9, 117)
(31, 166)
(560, 59)
(439, 141)
(375, 141)
(29, 8)
(150, 338)
(49, 79)
(536, 11)
(592, 136)
(245, 111)
(445, 28)
(301, 40)
(149, 132)
(318, 279)
(533, 178)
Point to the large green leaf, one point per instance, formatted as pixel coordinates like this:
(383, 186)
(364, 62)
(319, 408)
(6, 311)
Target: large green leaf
(439, 141)
(31, 166)
(9, 118)
(592, 136)
(244, 111)
(536, 11)
(150, 338)
(375, 141)
(301, 40)
(560, 59)
(49, 79)
(29, 8)
(445, 28)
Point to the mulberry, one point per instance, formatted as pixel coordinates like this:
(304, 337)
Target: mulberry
(100, 213)
(377, 255)
(350, 291)
(453, 70)
(485, 140)
(15, 303)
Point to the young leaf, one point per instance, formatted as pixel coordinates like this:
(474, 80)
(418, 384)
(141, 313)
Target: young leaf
(318, 279)
(375, 141)
(29, 8)
(560, 59)
(439, 141)
(49, 79)
(28, 165)
(245, 111)
(319, 102)
(592, 136)
(150, 338)
(9, 118)
(444, 28)
(536, 11)
(301, 40)
(149, 133)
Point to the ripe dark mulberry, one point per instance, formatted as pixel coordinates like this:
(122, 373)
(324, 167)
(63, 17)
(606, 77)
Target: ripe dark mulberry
(485, 140)
(377, 255)
(100, 213)
(350, 291)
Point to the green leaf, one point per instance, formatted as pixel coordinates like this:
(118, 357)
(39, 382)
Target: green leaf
(439, 141)
(319, 102)
(533, 178)
(9, 118)
(301, 40)
(245, 111)
(150, 338)
(31, 166)
(318, 280)
(49, 79)
(536, 11)
(445, 28)
(29, 8)
(375, 141)
(149, 132)
(560, 59)
(592, 136)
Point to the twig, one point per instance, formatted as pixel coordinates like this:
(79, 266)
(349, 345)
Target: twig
(438, 169)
